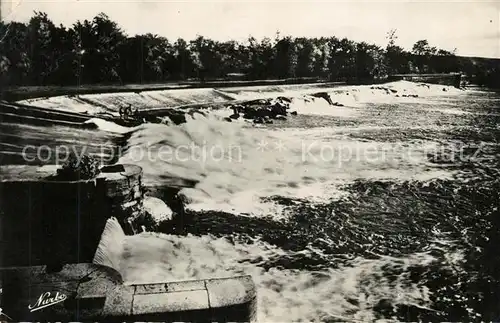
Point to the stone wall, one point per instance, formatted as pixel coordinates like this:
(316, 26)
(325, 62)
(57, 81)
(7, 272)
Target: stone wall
(49, 221)
(124, 194)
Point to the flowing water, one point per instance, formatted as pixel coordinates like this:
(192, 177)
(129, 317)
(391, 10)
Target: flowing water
(385, 208)
(110, 248)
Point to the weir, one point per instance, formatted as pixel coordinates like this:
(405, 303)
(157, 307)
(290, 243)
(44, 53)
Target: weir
(62, 250)
(453, 79)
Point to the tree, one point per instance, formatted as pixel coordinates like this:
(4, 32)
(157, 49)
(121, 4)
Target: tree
(261, 56)
(85, 44)
(320, 64)
(15, 63)
(106, 59)
(41, 52)
(285, 61)
(342, 63)
(305, 57)
(423, 53)
(98, 51)
(396, 58)
(155, 52)
(66, 55)
(333, 45)
(422, 48)
(184, 64)
(208, 57)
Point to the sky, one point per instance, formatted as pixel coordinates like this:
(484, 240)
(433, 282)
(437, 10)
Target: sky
(473, 27)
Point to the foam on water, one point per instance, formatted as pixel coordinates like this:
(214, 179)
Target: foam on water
(317, 106)
(66, 103)
(350, 96)
(109, 126)
(347, 293)
(110, 249)
(236, 165)
(355, 96)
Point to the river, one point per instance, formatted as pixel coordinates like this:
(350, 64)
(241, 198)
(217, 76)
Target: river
(384, 208)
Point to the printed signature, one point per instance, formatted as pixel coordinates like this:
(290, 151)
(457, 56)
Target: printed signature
(45, 300)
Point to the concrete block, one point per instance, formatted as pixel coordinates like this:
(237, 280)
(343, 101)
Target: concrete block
(170, 287)
(119, 302)
(230, 291)
(170, 302)
(97, 293)
(98, 283)
(150, 289)
(232, 299)
(186, 286)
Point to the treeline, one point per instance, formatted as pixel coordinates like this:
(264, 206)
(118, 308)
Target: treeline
(99, 52)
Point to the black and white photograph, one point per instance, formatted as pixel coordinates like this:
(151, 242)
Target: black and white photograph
(249, 161)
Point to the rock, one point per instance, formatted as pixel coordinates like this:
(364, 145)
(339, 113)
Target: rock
(250, 113)
(238, 108)
(166, 121)
(177, 117)
(282, 98)
(393, 90)
(257, 102)
(234, 116)
(193, 111)
(258, 120)
(280, 118)
(158, 210)
(384, 307)
(150, 118)
(263, 112)
(278, 109)
(293, 113)
(89, 125)
(228, 119)
(444, 89)
(323, 95)
(338, 104)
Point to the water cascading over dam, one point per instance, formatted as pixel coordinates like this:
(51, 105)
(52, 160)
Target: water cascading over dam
(110, 249)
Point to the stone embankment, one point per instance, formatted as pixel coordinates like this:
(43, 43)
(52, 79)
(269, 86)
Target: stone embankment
(61, 221)
(53, 230)
(89, 292)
